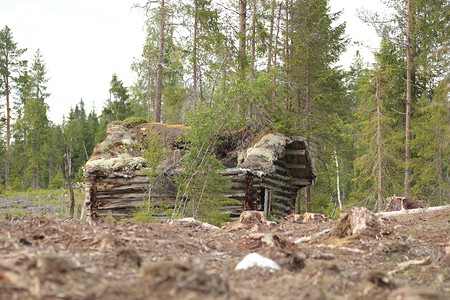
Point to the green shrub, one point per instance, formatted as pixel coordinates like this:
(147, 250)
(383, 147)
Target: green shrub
(56, 182)
(132, 121)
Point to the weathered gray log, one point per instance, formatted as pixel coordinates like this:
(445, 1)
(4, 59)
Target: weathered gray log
(388, 214)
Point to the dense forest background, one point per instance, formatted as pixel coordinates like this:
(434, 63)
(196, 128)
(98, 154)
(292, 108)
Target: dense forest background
(375, 130)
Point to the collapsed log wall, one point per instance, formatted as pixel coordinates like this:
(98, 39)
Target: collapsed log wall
(266, 176)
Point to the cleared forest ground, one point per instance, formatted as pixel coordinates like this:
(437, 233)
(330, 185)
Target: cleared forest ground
(49, 258)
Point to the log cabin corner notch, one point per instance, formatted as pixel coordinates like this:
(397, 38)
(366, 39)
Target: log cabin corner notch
(266, 169)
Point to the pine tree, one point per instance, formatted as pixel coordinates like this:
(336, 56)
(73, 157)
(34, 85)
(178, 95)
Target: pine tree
(10, 63)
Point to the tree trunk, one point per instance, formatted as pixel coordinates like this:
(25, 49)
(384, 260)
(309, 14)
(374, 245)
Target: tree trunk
(307, 197)
(252, 66)
(286, 54)
(337, 180)
(409, 71)
(194, 52)
(270, 50)
(8, 132)
(67, 164)
(379, 147)
(36, 175)
(274, 77)
(242, 37)
(307, 125)
(344, 190)
(440, 177)
(149, 100)
(160, 65)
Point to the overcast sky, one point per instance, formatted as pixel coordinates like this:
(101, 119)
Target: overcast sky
(84, 42)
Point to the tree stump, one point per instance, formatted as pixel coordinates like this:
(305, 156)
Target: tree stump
(250, 219)
(357, 220)
(402, 203)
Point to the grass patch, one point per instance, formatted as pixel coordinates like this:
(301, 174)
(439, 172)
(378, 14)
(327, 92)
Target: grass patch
(39, 202)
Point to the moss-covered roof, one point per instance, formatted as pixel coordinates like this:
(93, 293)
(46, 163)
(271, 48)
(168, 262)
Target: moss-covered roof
(118, 154)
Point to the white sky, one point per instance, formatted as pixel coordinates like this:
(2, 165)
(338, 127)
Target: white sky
(84, 42)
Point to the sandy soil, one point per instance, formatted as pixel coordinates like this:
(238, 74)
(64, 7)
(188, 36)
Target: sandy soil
(49, 258)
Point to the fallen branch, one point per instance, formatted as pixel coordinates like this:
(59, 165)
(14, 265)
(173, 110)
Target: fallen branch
(388, 214)
(410, 263)
(354, 250)
(306, 239)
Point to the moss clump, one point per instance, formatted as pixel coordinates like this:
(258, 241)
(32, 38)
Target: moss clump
(132, 121)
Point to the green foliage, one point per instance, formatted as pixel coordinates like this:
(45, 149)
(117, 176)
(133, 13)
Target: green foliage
(30, 175)
(432, 147)
(144, 213)
(216, 218)
(132, 121)
(57, 182)
(152, 150)
(201, 184)
(15, 184)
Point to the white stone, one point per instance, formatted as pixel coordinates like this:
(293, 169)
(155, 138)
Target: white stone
(256, 260)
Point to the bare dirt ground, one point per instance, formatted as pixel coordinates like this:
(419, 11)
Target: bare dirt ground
(49, 258)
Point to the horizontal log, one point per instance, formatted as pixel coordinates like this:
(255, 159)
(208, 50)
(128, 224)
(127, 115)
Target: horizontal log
(115, 214)
(121, 187)
(302, 182)
(133, 204)
(132, 197)
(127, 204)
(278, 183)
(412, 211)
(291, 180)
(295, 152)
(135, 178)
(236, 171)
(235, 195)
(280, 207)
(235, 178)
(280, 198)
(106, 196)
(295, 166)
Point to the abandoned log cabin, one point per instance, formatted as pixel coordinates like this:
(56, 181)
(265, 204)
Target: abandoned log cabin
(266, 170)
